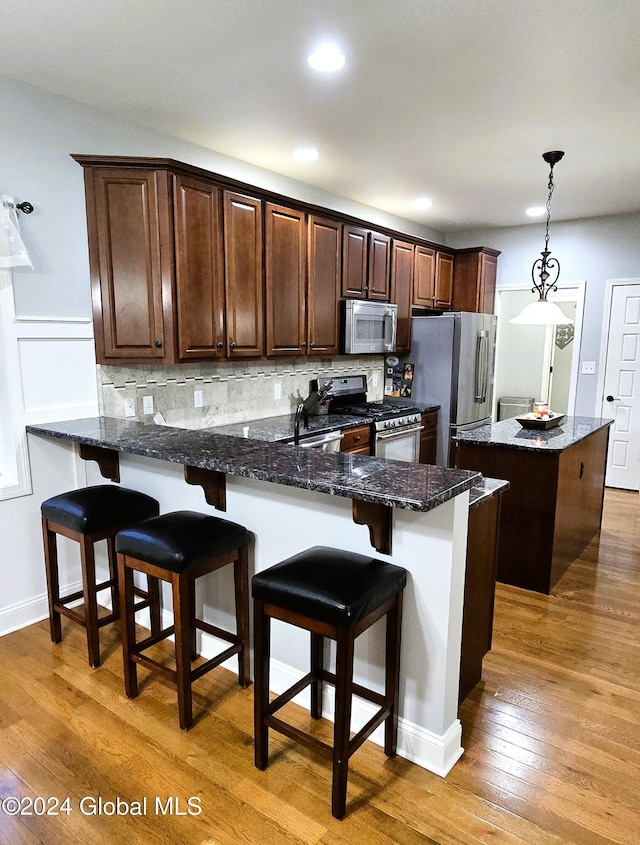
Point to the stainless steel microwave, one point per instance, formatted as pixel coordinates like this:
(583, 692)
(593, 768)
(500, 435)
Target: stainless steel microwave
(369, 327)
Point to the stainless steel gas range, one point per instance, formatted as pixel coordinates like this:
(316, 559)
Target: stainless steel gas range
(395, 428)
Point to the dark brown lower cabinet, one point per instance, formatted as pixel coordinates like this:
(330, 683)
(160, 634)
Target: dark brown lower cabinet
(479, 591)
(552, 509)
(428, 437)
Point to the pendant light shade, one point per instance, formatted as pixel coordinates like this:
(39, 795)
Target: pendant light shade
(545, 272)
(542, 313)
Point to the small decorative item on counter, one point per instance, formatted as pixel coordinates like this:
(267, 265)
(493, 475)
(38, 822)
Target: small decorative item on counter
(540, 417)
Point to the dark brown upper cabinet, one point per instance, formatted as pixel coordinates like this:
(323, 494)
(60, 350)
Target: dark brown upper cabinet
(285, 273)
(199, 269)
(444, 280)
(424, 275)
(402, 264)
(433, 278)
(474, 285)
(189, 265)
(244, 300)
(323, 293)
(131, 264)
(366, 263)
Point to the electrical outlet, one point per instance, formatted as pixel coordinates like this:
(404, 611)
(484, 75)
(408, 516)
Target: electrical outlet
(147, 404)
(277, 390)
(129, 407)
(197, 399)
(588, 368)
(374, 379)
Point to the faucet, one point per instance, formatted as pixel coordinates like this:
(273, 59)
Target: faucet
(302, 411)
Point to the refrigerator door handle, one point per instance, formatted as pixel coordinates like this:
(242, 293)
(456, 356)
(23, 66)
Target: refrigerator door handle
(482, 342)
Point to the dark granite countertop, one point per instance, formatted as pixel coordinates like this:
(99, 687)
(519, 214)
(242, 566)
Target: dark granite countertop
(416, 487)
(280, 429)
(509, 433)
(486, 489)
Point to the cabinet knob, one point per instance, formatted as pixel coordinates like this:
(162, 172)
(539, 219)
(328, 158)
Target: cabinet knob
(304, 344)
(219, 344)
(158, 344)
(312, 345)
(232, 345)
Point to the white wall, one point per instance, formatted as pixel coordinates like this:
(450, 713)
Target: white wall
(38, 132)
(593, 250)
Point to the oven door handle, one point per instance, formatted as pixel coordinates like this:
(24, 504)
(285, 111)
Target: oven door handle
(401, 432)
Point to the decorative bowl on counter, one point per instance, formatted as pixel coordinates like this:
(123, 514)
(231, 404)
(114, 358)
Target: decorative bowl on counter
(549, 420)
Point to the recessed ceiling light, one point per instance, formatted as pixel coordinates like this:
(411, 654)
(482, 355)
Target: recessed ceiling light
(327, 58)
(422, 202)
(536, 211)
(306, 154)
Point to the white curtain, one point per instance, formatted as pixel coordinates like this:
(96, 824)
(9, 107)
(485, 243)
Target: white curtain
(13, 252)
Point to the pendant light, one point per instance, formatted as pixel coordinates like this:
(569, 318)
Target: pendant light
(545, 272)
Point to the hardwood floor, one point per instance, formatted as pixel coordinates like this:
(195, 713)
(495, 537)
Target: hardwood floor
(551, 737)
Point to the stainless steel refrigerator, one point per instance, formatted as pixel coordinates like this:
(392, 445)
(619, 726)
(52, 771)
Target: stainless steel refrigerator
(453, 357)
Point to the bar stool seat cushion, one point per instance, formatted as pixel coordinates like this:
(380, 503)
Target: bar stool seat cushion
(176, 541)
(94, 509)
(329, 585)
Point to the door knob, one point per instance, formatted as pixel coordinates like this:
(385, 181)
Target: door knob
(611, 398)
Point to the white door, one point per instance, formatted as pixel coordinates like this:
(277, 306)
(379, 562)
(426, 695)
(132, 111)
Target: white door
(621, 388)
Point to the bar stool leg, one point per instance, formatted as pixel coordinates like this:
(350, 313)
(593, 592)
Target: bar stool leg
(90, 598)
(53, 584)
(392, 675)
(153, 591)
(262, 650)
(241, 584)
(113, 576)
(193, 633)
(344, 683)
(128, 627)
(317, 649)
(181, 593)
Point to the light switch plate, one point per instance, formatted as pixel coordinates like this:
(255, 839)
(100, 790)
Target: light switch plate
(277, 390)
(147, 404)
(197, 399)
(588, 368)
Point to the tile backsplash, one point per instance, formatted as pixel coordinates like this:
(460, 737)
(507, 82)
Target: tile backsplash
(231, 392)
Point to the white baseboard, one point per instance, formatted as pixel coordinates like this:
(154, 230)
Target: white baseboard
(434, 752)
(25, 613)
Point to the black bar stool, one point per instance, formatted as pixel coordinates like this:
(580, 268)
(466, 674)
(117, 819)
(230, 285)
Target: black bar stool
(334, 594)
(179, 548)
(87, 516)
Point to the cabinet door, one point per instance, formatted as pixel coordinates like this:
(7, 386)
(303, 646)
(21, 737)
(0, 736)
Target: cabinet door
(487, 284)
(323, 299)
(243, 275)
(357, 441)
(444, 280)
(131, 256)
(199, 281)
(424, 271)
(428, 437)
(379, 273)
(402, 290)
(354, 262)
(285, 280)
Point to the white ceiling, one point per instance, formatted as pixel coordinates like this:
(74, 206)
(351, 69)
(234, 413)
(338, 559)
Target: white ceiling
(453, 99)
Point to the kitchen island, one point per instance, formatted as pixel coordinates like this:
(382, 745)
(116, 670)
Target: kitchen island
(292, 498)
(553, 507)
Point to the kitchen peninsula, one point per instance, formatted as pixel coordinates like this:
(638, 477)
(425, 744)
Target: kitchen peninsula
(553, 507)
(292, 498)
